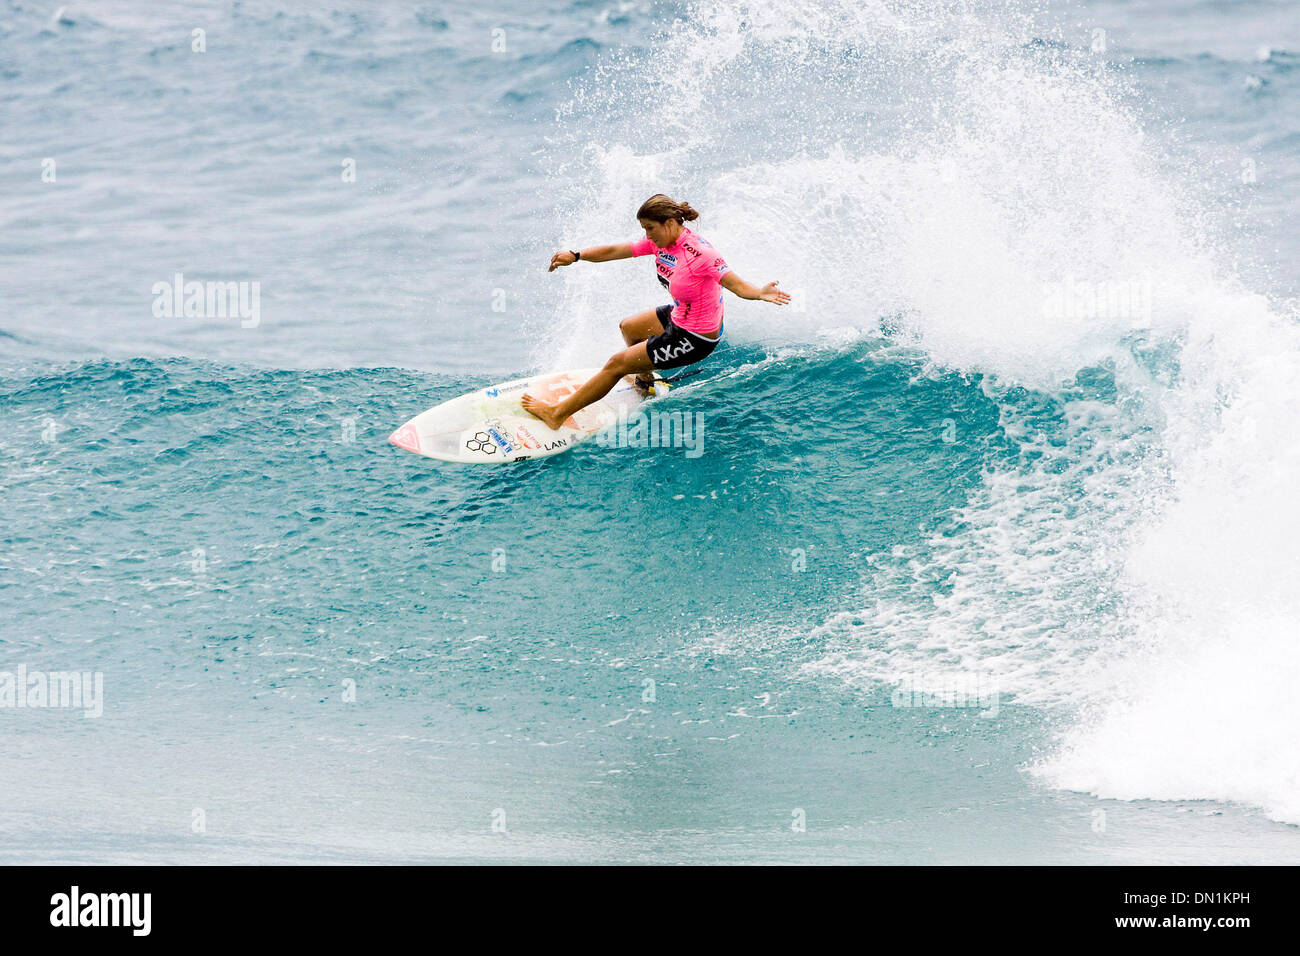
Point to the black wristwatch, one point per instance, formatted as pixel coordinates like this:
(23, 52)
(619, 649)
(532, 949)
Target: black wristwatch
(577, 256)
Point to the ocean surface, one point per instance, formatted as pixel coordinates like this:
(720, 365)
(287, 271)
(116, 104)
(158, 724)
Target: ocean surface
(990, 555)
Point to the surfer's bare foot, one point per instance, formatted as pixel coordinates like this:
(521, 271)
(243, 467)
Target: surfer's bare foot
(547, 413)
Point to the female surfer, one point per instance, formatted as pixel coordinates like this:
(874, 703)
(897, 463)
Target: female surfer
(672, 335)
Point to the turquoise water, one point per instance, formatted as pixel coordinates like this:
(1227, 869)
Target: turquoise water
(315, 647)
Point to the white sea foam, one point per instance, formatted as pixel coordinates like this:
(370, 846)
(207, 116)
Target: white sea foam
(1206, 705)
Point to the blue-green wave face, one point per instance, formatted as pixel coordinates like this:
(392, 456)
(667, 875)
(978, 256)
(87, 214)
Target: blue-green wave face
(979, 551)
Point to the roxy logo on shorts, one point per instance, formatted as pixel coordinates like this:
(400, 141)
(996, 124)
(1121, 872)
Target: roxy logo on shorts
(667, 353)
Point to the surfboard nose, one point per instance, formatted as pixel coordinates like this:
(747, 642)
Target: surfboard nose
(406, 437)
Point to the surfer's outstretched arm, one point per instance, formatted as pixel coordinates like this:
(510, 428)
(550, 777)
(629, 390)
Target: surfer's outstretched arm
(769, 293)
(621, 250)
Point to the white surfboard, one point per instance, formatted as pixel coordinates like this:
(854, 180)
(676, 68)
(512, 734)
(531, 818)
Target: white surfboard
(489, 425)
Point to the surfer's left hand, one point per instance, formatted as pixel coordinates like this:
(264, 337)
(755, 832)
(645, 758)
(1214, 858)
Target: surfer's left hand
(770, 293)
(562, 258)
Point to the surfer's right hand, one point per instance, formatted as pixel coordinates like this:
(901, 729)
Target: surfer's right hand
(563, 258)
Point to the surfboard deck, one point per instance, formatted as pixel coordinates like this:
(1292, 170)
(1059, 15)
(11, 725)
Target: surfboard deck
(489, 425)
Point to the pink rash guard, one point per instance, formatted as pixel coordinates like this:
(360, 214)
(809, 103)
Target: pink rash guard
(692, 271)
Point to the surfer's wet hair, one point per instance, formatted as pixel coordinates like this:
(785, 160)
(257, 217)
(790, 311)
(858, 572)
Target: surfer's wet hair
(660, 208)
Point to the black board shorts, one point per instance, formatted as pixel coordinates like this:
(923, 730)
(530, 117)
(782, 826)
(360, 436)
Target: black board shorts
(674, 346)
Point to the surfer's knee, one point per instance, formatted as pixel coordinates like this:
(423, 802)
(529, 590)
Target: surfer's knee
(639, 327)
(618, 364)
(633, 329)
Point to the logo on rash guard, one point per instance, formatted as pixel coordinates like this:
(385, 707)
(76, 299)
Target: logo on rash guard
(667, 353)
(667, 259)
